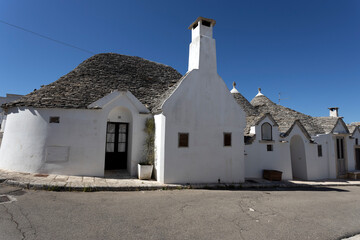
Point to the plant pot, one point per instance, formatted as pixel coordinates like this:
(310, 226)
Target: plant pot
(145, 171)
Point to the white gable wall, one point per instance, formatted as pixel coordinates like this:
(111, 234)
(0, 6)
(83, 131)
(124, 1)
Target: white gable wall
(203, 107)
(309, 152)
(339, 128)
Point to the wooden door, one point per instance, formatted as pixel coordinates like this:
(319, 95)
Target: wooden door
(116, 145)
(357, 158)
(341, 162)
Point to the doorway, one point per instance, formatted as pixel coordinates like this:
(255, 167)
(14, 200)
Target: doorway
(357, 158)
(298, 158)
(341, 160)
(116, 145)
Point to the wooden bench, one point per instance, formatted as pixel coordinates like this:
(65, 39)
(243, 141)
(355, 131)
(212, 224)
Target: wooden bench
(354, 175)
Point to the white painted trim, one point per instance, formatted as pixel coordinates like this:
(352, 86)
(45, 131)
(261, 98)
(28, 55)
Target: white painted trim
(102, 102)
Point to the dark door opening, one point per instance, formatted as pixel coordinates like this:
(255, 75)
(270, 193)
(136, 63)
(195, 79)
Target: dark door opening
(357, 157)
(341, 165)
(116, 146)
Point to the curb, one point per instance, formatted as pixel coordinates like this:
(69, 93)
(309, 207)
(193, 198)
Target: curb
(64, 187)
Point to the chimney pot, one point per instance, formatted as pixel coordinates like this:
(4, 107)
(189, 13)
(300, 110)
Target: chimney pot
(334, 112)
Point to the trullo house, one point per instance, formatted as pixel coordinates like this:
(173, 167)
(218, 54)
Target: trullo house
(92, 119)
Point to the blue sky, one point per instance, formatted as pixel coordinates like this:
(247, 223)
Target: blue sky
(309, 51)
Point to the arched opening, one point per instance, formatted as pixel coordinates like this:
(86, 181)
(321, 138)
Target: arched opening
(266, 131)
(298, 158)
(118, 139)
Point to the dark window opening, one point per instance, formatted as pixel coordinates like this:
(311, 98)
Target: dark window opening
(194, 26)
(183, 140)
(356, 141)
(227, 139)
(269, 148)
(206, 23)
(266, 132)
(54, 120)
(319, 147)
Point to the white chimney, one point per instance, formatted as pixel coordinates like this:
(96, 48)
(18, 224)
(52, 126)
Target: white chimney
(334, 112)
(202, 51)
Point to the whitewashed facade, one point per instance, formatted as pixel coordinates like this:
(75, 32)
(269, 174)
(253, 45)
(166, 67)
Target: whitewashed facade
(201, 107)
(75, 145)
(329, 152)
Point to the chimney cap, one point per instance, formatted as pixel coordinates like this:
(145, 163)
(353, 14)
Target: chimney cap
(333, 108)
(212, 22)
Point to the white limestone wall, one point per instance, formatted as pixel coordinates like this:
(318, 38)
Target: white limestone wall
(257, 158)
(75, 146)
(320, 167)
(203, 107)
(307, 166)
(160, 124)
(315, 168)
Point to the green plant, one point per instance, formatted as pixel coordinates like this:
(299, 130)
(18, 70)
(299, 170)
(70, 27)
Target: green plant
(149, 146)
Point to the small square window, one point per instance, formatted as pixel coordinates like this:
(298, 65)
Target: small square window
(269, 148)
(54, 120)
(227, 139)
(319, 150)
(183, 140)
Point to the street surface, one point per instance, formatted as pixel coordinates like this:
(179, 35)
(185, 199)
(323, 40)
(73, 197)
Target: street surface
(321, 213)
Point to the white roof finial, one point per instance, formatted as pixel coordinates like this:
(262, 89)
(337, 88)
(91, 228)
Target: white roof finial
(259, 93)
(234, 90)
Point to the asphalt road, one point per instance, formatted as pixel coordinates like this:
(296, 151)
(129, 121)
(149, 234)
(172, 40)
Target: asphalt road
(327, 213)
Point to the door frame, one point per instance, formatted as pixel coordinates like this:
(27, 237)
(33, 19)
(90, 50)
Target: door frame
(116, 142)
(357, 166)
(338, 175)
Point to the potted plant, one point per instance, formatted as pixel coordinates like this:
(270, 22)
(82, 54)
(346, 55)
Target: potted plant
(146, 166)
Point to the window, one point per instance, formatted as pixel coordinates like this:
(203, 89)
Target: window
(356, 141)
(54, 120)
(227, 139)
(269, 148)
(319, 150)
(266, 132)
(183, 140)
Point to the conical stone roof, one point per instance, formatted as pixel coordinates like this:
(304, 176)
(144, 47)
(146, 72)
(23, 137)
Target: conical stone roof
(285, 117)
(245, 104)
(98, 76)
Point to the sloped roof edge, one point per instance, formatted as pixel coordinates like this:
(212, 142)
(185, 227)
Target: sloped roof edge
(269, 116)
(356, 128)
(302, 128)
(343, 123)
